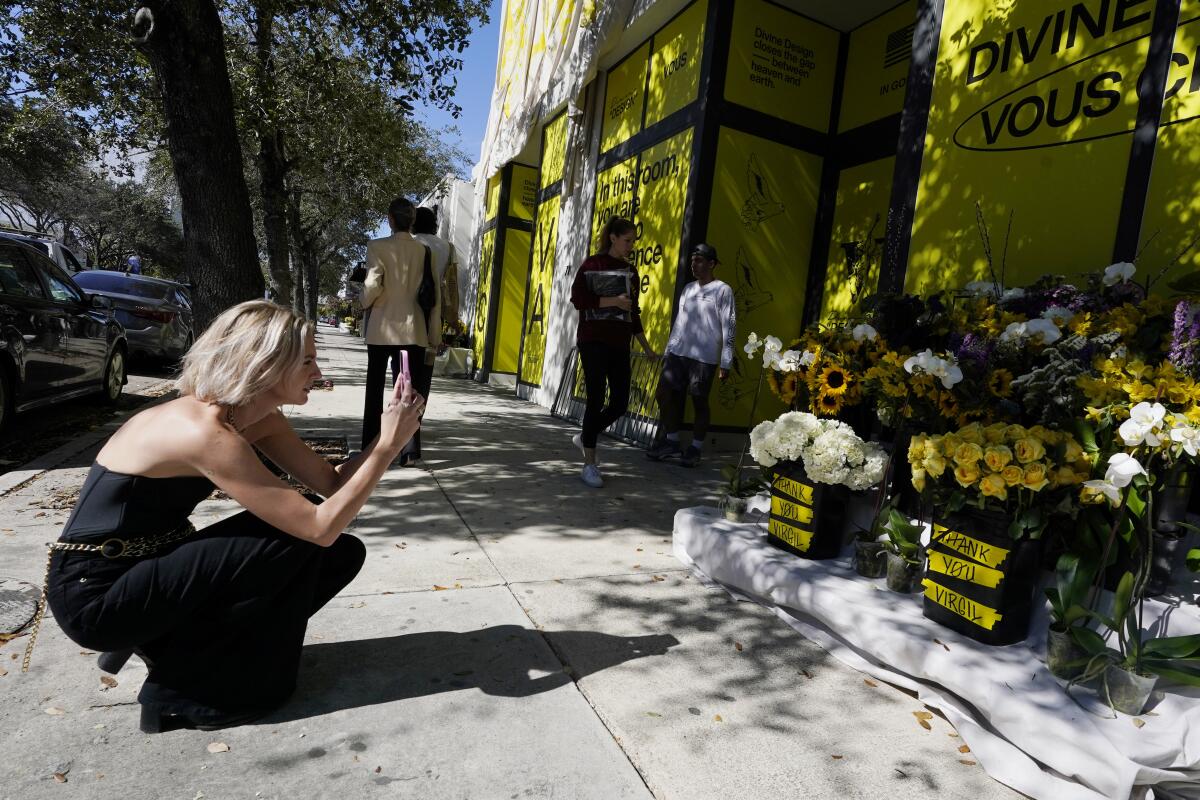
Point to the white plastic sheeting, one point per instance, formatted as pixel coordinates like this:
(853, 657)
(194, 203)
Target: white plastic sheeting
(1017, 718)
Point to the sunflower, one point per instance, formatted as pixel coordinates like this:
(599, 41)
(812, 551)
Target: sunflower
(827, 404)
(833, 381)
(999, 382)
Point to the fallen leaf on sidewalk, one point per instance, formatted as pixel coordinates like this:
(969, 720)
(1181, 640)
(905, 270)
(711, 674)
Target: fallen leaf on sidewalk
(653, 714)
(964, 749)
(806, 674)
(737, 646)
(378, 770)
(657, 578)
(3, 672)
(1137, 723)
(836, 757)
(717, 718)
(871, 683)
(54, 711)
(109, 683)
(359, 604)
(218, 747)
(943, 644)
(923, 718)
(639, 549)
(60, 777)
(437, 588)
(967, 761)
(952, 735)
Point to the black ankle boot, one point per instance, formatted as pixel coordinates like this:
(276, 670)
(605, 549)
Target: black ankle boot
(113, 661)
(155, 719)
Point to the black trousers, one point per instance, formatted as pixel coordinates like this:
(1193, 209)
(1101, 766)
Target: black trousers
(378, 357)
(605, 367)
(220, 617)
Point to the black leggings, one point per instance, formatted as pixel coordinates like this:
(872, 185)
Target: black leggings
(220, 618)
(603, 366)
(378, 357)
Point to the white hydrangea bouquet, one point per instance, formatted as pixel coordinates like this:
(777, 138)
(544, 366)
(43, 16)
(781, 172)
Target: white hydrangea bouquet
(830, 450)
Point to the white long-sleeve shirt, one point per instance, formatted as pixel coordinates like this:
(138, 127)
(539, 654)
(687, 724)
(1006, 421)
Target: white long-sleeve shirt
(706, 324)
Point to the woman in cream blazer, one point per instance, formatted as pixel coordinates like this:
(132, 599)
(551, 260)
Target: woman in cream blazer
(395, 266)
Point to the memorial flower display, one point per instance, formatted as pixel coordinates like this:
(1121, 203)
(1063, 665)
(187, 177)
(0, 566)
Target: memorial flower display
(830, 450)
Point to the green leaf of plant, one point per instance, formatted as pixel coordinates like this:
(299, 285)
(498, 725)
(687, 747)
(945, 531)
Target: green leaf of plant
(1089, 640)
(1173, 647)
(1172, 671)
(1123, 598)
(1193, 559)
(1086, 435)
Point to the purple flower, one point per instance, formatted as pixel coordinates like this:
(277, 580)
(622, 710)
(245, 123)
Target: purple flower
(974, 347)
(1185, 339)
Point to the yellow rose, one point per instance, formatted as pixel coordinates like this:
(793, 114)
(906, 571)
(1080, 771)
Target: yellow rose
(994, 433)
(1035, 478)
(968, 453)
(993, 485)
(918, 479)
(916, 448)
(966, 474)
(949, 444)
(1029, 449)
(1045, 434)
(934, 465)
(1065, 476)
(997, 457)
(933, 446)
(1015, 432)
(972, 433)
(1074, 452)
(1013, 475)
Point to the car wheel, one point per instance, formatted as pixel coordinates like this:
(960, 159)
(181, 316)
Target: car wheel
(114, 376)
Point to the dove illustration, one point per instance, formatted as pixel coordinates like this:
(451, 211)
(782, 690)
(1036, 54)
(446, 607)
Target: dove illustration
(761, 204)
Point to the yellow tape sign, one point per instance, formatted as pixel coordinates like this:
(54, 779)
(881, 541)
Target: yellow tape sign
(964, 607)
(970, 547)
(792, 512)
(801, 491)
(796, 537)
(964, 570)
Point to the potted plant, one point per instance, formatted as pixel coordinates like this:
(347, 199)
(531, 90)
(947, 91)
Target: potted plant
(738, 491)
(905, 555)
(1065, 656)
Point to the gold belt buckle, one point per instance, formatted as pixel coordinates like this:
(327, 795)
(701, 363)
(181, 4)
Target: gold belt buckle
(113, 548)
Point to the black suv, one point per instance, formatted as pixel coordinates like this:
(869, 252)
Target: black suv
(56, 342)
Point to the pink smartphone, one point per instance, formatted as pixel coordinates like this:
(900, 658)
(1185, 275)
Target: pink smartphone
(404, 366)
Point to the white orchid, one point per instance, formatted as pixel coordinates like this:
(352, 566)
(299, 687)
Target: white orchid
(864, 331)
(1106, 488)
(1019, 331)
(789, 361)
(1187, 437)
(945, 370)
(1011, 294)
(752, 344)
(1144, 424)
(1120, 272)
(773, 343)
(1059, 315)
(1122, 469)
(808, 358)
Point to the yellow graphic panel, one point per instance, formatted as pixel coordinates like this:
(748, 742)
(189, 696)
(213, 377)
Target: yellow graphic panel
(877, 67)
(624, 99)
(483, 292)
(522, 195)
(554, 150)
(856, 244)
(615, 197)
(513, 279)
(492, 198)
(761, 218)
(541, 284)
(675, 64)
(1172, 217)
(781, 64)
(1031, 116)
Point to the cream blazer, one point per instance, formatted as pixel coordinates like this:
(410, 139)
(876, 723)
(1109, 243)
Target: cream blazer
(394, 268)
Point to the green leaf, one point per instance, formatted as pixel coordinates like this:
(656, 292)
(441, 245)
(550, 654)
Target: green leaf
(1173, 647)
(1188, 676)
(1193, 559)
(1123, 598)
(1086, 435)
(1134, 502)
(1089, 640)
(729, 472)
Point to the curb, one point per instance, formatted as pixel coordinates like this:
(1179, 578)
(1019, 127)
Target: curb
(27, 473)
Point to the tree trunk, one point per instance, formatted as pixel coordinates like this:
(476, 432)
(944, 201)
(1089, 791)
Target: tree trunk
(272, 166)
(295, 235)
(185, 44)
(312, 284)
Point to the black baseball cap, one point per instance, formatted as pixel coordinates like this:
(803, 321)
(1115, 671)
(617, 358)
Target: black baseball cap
(705, 251)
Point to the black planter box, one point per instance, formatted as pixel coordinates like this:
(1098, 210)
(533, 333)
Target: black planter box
(806, 517)
(979, 581)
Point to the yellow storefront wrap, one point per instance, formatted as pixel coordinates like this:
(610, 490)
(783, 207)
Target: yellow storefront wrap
(513, 279)
(969, 546)
(964, 607)
(964, 570)
(877, 67)
(796, 537)
(761, 220)
(615, 197)
(1031, 116)
(541, 284)
(675, 64)
(522, 196)
(624, 99)
(487, 251)
(492, 199)
(856, 245)
(781, 64)
(1173, 204)
(801, 491)
(554, 150)
(794, 513)
(533, 31)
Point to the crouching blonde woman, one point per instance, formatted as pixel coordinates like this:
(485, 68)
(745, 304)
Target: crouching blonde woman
(217, 614)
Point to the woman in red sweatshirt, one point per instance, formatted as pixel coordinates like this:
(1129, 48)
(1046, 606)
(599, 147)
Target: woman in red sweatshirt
(606, 293)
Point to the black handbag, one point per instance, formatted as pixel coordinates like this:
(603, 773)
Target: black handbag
(427, 292)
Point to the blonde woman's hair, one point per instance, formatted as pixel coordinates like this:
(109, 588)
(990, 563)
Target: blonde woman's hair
(244, 352)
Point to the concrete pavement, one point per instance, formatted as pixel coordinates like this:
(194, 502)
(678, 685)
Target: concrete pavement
(513, 634)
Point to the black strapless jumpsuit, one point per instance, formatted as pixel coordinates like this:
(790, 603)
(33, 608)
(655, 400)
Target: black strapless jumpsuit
(220, 617)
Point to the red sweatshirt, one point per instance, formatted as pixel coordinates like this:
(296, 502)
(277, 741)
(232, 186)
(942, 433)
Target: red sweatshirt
(615, 332)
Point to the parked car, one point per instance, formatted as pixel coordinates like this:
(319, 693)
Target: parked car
(156, 313)
(56, 342)
(59, 253)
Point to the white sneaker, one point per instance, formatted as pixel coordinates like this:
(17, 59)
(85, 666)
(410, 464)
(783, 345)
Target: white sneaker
(577, 440)
(591, 476)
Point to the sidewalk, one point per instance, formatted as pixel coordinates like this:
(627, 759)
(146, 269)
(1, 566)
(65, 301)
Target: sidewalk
(514, 634)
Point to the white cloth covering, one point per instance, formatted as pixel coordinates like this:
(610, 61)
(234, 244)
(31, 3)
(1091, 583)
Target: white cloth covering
(1017, 718)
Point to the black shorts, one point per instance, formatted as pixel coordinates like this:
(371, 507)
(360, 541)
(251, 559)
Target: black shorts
(688, 374)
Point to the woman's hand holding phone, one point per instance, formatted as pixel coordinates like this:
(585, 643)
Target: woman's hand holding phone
(402, 416)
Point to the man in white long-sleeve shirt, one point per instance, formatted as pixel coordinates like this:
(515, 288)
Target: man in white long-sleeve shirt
(701, 346)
